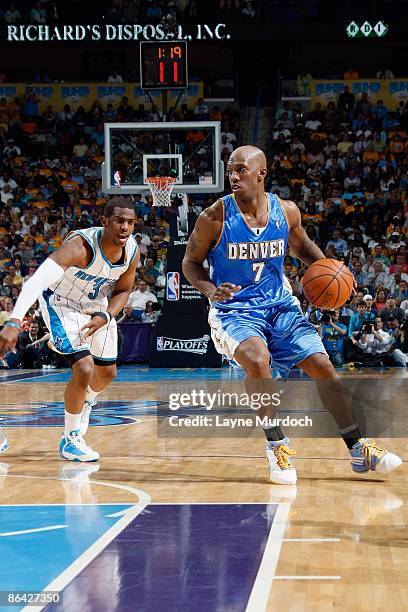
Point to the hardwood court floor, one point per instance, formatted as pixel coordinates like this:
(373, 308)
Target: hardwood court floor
(336, 541)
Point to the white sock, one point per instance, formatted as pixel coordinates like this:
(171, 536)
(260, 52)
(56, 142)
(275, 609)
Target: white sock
(91, 395)
(72, 422)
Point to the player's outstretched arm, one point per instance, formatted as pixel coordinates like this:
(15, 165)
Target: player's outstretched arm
(204, 236)
(299, 242)
(71, 253)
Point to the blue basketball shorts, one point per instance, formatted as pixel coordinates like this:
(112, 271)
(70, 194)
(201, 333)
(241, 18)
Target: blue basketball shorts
(289, 336)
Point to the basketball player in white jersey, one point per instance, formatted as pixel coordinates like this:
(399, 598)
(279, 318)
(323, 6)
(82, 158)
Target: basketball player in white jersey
(81, 288)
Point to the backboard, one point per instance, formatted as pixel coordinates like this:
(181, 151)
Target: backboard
(188, 151)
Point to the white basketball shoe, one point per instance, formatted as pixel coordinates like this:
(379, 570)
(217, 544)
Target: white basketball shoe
(281, 469)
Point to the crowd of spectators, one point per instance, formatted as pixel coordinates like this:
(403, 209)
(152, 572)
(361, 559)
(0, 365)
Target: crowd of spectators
(125, 11)
(50, 184)
(36, 12)
(346, 167)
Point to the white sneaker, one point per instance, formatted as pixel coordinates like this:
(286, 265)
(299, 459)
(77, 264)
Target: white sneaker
(281, 469)
(86, 413)
(74, 448)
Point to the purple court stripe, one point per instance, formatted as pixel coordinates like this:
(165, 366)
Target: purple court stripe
(176, 558)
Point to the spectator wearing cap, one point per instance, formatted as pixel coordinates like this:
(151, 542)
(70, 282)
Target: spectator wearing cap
(371, 312)
(11, 149)
(392, 311)
(396, 222)
(395, 243)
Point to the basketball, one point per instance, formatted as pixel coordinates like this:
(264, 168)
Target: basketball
(327, 283)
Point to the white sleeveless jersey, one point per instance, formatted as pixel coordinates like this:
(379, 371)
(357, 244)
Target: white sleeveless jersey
(90, 288)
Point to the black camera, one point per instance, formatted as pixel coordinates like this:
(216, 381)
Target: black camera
(368, 328)
(404, 326)
(327, 316)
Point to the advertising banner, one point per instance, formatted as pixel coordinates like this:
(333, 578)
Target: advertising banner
(183, 342)
(85, 94)
(390, 91)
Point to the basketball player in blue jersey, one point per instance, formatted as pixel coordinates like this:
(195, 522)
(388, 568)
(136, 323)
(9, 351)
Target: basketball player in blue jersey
(81, 287)
(254, 317)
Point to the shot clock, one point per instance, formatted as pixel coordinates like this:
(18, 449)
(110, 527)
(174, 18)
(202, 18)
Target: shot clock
(163, 65)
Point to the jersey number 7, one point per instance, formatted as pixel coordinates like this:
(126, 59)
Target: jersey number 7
(257, 267)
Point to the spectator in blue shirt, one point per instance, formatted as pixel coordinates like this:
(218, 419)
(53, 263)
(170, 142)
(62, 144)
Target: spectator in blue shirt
(30, 108)
(371, 312)
(360, 276)
(390, 122)
(332, 333)
(338, 243)
(380, 110)
(98, 135)
(358, 318)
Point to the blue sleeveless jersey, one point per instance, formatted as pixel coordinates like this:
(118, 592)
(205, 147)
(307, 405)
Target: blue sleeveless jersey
(253, 262)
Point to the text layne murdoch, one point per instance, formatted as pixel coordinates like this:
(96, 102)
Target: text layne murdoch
(232, 423)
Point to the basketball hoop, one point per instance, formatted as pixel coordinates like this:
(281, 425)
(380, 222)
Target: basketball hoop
(161, 187)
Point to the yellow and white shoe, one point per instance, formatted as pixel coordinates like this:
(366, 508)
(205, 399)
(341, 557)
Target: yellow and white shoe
(366, 455)
(281, 470)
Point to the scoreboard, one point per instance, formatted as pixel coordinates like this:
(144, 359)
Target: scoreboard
(163, 65)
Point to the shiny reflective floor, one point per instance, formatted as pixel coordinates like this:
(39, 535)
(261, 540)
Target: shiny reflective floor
(189, 523)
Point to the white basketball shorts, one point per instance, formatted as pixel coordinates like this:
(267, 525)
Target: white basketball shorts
(64, 325)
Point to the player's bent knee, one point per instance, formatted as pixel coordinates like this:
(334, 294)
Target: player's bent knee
(257, 364)
(108, 373)
(83, 371)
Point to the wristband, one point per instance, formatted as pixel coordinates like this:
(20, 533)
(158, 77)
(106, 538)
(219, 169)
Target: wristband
(106, 315)
(12, 324)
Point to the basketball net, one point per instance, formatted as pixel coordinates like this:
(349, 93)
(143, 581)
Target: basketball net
(161, 187)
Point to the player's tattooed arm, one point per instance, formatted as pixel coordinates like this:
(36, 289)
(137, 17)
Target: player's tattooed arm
(299, 242)
(203, 238)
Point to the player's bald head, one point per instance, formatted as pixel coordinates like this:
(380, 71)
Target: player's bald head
(250, 155)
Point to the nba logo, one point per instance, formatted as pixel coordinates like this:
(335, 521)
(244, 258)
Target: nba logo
(117, 179)
(173, 286)
(160, 343)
